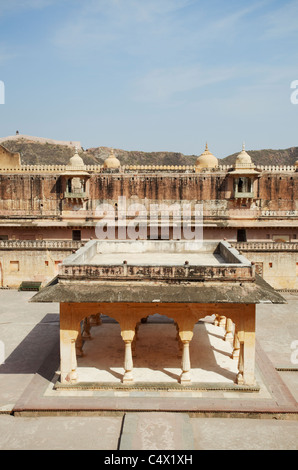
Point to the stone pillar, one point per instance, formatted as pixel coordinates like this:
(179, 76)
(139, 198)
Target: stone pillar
(185, 377)
(68, 335)
(86, 329)
(240, 375)
(128, 364)
(180, 345)
(222, 321)
(185, 338)
(229, 330)
(128, 318)
(128, 336)
(79, 343)
(246, 337)
(236, 346)
(134, 341)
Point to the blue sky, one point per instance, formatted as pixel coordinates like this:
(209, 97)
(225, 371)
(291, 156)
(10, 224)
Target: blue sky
(151, 75)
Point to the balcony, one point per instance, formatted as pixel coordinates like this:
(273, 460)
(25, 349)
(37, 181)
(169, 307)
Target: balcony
(243, 195)
(79, 195)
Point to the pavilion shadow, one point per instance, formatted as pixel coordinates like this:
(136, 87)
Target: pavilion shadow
(29, 357)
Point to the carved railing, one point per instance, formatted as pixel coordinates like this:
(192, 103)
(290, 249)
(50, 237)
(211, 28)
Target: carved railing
(40, 245)
(169, 168)
(265, 246)
(51, 169)
(276, 168)
(271, 213)
(141, 168)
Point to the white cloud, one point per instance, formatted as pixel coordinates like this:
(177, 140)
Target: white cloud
(163, 84)
(282, 21)
(98, 24)
(17, 5)
(246, 81)
(5, 53)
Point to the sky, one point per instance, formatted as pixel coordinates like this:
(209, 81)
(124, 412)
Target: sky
(151, 75)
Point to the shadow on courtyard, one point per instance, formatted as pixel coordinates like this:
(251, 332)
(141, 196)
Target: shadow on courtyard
(156, 355)
(30, 355)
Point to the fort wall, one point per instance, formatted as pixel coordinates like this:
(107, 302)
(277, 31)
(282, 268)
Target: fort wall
(42, 193)
(277, 263)
(28, 260)
(40, 205)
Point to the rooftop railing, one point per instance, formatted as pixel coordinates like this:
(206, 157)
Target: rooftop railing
(265, 246)
(40, 244)
(139, 168)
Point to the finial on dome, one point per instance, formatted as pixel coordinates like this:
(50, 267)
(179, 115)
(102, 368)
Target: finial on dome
(243, 146)
(206, 147)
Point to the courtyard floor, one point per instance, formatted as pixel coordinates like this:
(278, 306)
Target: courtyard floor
(34, 415)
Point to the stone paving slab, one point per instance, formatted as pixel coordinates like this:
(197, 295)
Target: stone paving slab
(60, 433)
(156, 431)
(244, 434)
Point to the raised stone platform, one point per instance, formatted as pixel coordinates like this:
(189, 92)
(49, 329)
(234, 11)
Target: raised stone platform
(219, 397)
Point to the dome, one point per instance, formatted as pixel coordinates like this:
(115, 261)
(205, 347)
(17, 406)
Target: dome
(76, 160)
(243, 157)
(111, 162)
(206, 160)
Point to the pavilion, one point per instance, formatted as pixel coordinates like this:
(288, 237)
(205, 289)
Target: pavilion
(184, 280)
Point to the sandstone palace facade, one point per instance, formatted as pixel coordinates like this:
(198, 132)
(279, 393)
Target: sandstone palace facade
(47, 211)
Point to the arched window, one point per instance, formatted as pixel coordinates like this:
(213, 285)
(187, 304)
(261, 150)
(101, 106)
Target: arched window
(240, 185)
(69, 185)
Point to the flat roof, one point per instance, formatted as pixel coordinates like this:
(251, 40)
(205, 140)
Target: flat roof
(157, 271)
(156, 259)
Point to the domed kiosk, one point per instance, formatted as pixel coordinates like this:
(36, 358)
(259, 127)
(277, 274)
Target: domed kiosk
(112, 162)
(244, 174)
(74, 178)
(76, 161)
(243, 161)
(206, 161)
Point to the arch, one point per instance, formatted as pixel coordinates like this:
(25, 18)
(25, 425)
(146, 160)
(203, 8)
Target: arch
(129, 316)
(241, 185)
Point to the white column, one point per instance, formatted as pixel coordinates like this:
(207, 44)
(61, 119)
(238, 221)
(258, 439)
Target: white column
(229, 330)
(128, 363)
(236, 346)
(185, 377)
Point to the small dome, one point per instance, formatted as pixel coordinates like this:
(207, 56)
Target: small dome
(76, 160)
(111, 162)
(206, 160)
(243, 157)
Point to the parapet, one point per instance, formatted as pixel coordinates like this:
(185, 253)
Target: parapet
(9, 160)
